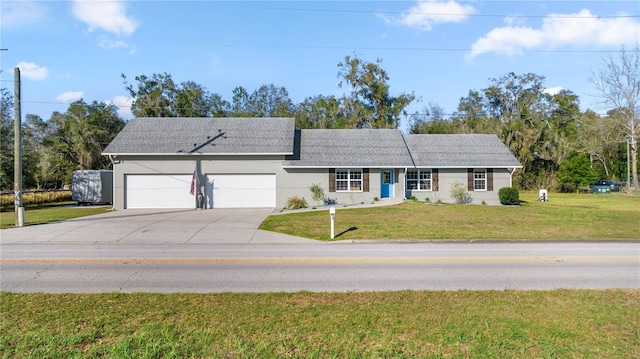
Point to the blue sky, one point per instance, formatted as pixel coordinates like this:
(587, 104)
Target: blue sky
(439, 50)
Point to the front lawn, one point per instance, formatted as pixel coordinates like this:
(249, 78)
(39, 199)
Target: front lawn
(405, 324)
(564, 216)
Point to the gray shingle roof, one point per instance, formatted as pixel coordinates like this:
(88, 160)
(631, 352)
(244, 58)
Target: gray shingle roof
(183, 135)
(468, 150)
(350, 148)
(313, 148)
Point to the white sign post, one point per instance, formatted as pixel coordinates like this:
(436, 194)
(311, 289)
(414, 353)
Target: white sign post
(332, 213)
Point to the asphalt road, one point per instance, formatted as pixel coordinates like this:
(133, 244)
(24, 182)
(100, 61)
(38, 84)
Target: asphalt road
(46, 267)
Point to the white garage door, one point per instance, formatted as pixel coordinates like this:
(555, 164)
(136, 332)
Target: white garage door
(241, 191)
(159, 191)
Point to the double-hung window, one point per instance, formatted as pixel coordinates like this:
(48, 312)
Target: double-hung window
(348, 180)
(419, 180)
(480, 179)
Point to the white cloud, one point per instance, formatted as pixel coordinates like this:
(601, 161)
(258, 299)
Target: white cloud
(124, 106)
(33, 71)
(109, 44)
(514, 20)
(553, 90)
(109, 16)
(509, 40)
(557, 30)
(70, 96)
(429, 12)
(21, 13)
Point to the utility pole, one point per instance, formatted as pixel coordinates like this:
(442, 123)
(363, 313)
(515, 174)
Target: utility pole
(627, 138)
(17, 148)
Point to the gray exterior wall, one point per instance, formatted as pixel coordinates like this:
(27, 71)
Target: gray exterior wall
(126, 165)
(298, 180)
(501, 178)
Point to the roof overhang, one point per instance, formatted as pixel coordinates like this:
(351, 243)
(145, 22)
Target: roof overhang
(352, 166)
(199, 154)
(400, 166)
(469, 166)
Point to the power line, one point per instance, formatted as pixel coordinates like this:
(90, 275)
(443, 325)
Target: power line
(378, 48)
(553, 16)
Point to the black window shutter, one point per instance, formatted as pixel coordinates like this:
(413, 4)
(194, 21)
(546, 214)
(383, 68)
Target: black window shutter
(489, 179)
(434, 179)
(365, 180)
(332, 179)
(470, 179)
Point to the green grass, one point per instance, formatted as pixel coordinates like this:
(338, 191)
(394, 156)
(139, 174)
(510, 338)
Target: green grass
(459, 324)
(52, 212)
(565, 216)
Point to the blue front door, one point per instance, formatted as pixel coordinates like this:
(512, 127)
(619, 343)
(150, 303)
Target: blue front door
(387, 184)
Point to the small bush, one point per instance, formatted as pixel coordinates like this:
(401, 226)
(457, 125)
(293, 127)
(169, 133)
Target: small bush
(317, 193)
(509, 196)
(459, 193)
(568, 188)
(296, 202)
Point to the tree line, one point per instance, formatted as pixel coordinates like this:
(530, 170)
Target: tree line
(560, 146)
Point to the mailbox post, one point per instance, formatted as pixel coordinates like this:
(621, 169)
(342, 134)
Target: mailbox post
(332, 213)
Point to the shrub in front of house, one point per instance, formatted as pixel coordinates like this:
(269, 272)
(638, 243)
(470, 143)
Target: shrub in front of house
(317, 193)
(459, 193)
(296, 202)
(330, 201)
(509, 196)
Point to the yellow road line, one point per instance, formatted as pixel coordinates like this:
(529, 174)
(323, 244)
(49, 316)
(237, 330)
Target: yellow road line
(320, 260)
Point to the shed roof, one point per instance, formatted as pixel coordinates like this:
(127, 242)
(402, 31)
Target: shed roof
(458, 151)
(171, 135)
(349, 148)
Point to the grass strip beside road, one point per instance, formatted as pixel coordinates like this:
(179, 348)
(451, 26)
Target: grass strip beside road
(565, 216)
(502, 324)
(52, 212)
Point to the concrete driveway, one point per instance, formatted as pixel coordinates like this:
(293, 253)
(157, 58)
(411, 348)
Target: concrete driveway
(231, 226)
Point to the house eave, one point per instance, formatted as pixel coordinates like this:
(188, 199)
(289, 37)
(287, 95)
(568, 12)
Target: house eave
(200, 154)
(352, 166)
(468, 166)
(399, 166)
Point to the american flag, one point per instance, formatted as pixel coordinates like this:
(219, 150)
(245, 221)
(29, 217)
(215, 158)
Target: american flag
(194, 179)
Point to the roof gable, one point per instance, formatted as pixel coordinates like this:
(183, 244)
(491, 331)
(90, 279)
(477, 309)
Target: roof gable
(171, 135)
